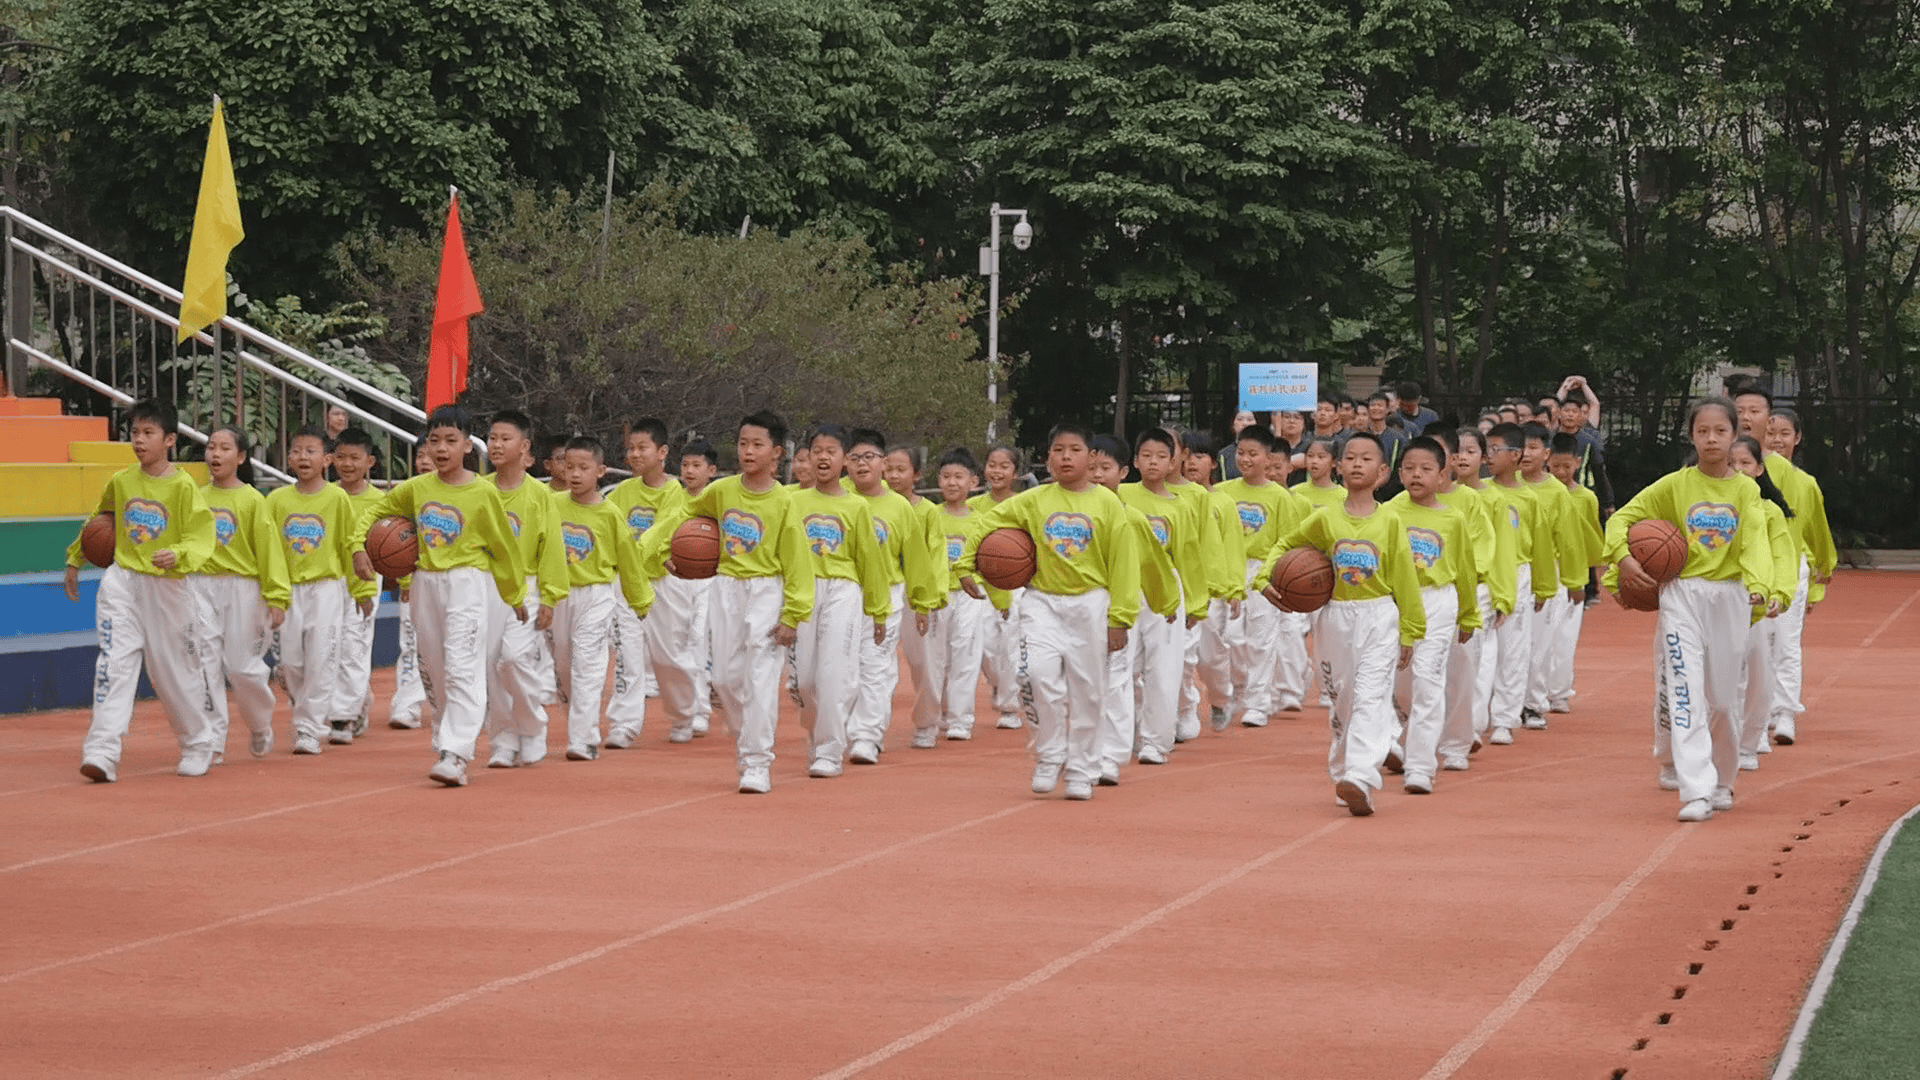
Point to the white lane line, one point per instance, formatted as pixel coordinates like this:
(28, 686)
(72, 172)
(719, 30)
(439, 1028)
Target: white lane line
(81, 783)
(1889, 620)
(1040, 975)
(348, 890)
(1544, 970)
(128, 842)
(455, 1001)
(1823, 978)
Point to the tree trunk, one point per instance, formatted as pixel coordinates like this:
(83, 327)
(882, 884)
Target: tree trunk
(1123, 381)
(1490, 295)
(1423, 297)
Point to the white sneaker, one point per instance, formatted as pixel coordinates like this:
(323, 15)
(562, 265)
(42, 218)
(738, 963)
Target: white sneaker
(1396, 762)
(1150, 756)
(823, 768)
(1045, 776)
(1477, 746)
(1253, 719)
(1501, 737)
(1415, 784)
(359, 726)
(926, 740)
(959, 734)
(1669, 779)
(260, 743)
(1079, 790)
(1533, 721)
(340, 733)
(1783, 733)
(755, 781)
(1722, 798)
(450, 770)
(700, 725)
(503, 757)
(864, 753)
(219, 758)
(1559, 707)
(306, 744)
(619, 739)
(1454, 763)
(1750, 762)
(680, 735)
(98, 770)
(1109, 774)
(1697, 810)
(1355, 797)
(583, 753)
(1008, 722)
(1217, 718)
(404, 723)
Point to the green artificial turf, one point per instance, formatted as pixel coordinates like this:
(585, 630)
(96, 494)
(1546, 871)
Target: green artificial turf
(1869, 1026)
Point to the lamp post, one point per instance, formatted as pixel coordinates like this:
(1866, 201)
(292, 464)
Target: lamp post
(990, 269)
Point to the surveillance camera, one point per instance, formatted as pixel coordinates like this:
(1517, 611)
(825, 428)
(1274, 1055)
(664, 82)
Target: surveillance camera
(1022, 235)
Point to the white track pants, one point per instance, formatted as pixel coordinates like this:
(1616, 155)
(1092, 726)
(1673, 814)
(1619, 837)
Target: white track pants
(1209, 665)
(879, 675)
(1255, 641)
(582, 639)
(1359, 643)
(233, 642)
(632, 658)
(703, 641)
(1292, 670)
(676, 631)
(1703, 631)
(944, 698)
(913, 648)
(408, 694)
(1427, 700)
(356, 663)
(1787, 666)
(1514, 655)
(1542, 639)
(1757, 687)
(143, 618)
(746, 662)
(1000, 656)
(1115, 740)
(1159, 651)
(516, 689)
(1566, 642)
(450, 621)
(1469, 684)
(1066, 677)
(826, 665)
(311, 661)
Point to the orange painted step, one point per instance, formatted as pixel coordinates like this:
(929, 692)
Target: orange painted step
(29, 406)
(28, 439)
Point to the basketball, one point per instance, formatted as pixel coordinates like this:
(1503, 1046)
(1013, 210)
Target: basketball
(96, 540)
(1659, 547)
(1638, 600)
(1006, 559)
(1304, 579)
(695, 549)
(392, 547)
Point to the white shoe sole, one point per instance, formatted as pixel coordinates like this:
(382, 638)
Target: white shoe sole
(1356, 798)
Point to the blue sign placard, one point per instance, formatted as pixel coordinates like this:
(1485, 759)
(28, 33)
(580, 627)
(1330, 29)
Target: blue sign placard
(1271, 387)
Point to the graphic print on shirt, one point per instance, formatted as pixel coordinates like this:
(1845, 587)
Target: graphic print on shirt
(1355, 561)
(1068, 534)
(1158, 525)
(513, 522)
(439, 524)
(955, 545)
(824, 532)
(1712, 525)
(145, 519)
(742, 531)
(224, 525)
(640, 519)
(578, 540)
(1426, 545)
(1513, 516)
(880, 532)
(304, 532)
(1253, 517)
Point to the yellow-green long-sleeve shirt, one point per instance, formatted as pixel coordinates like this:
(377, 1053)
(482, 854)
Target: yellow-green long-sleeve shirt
(1519, 507)
(1493, 545)
(1438, 538)
(1158, 586)
(645, 508)
(1586, 517)
(1319, 497)
(1785, 556)
(1557, 518)
(906, 552)
(980, 504)
(1370, 560)
(1720, 517)
(316, 535)
(842, 544)
(457, 527)
(1225, 549)
(1266, 511)
(1082, 540)
(533, 515)
(760, 536)
(599, 549)
(151, 514)
(1811, 532)
(1174, 529)
(933, 535)
(245, 542)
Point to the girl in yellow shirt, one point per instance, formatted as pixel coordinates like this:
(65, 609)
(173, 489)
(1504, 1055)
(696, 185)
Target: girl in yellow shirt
(242, 589)
(1000, 638)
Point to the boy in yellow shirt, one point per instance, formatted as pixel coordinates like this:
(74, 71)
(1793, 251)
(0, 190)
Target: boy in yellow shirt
(1266, 511)
(662, 650)
(1209, 661)
(956, 636)
(908, 556)
(1558, 527)
(1516, 504)
(352, 464)
(1564, 464)
(517, 683)
(162, 531)
(1141, 722)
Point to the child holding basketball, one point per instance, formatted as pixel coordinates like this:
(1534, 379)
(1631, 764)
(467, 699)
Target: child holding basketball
(665, 646)
(1376, 605)
(162, 531)
(1705, 611)
(465, 540)
(699, 466)
(1265, 639)
(352, 465)
(242, 591)
(1087, 577)
(516, 684)
(944, 698)
(315, 521)
(1000, 654)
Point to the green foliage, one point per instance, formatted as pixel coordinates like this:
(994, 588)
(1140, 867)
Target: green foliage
(695, 330)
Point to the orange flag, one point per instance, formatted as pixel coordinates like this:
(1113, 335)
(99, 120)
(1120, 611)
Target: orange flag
(457, 301)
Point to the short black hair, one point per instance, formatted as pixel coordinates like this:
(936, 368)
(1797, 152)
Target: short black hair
(962, 457)
(588, 443)
(1445, 435)
(769, 422)
(1197, 442)
(1750, 389)
(1377, 395)
(1364, 436)
(452, 416)
(648, 426)
(155, 411)
(867, 437)
(1564, 443)
(1508, 434)
(1069, 427)
(916, 457)
(1327, 397)
(832, 431)
(1256, 434)
(1431, 445)
(1536, 433)
(700, 448)
(516, 418)
(354, 436)
(1576, 396)
(1158, 435)
(1109, 445)
(1407, 391)
(311, 432)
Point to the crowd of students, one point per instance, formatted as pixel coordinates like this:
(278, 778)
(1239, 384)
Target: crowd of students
(1461, 558)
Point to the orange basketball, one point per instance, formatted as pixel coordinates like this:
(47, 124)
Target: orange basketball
(1304, 579)
(1638, 600)
(96, 540)
(1659, 547)
(1006, 559)
(695, 549)
(392, 547)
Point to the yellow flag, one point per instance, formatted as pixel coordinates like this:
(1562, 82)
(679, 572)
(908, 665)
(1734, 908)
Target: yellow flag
(216, 231)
